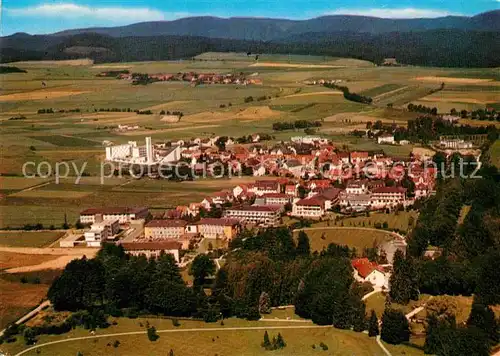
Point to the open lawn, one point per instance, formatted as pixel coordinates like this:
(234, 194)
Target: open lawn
(495, 153)
(299, 340)
(29, 238)
(19, 183)
(359, 238)
(377, 303)
(396, 220)
(17, 214)
(373, 92)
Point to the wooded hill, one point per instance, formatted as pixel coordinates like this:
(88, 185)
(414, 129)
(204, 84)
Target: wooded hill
(443, 48)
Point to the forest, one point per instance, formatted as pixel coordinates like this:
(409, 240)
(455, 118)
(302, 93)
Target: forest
(425, 48)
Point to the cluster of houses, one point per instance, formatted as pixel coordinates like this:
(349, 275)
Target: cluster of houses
(171, 235)
(198, 78)
(307, 177)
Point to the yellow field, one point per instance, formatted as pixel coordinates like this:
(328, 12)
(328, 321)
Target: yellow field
(462, 97)
(66, 194)
(40, 95)
(292, 65)
(453, 80)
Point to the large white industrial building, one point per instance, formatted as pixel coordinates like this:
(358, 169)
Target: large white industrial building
(148, 154)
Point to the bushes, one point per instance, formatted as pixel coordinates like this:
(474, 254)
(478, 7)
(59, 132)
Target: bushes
(276, 344)
(152, 335)
(395, 327)
(350, 96)
(21, 117)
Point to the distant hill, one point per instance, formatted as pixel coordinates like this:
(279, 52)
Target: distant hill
(448, 41)
(266, 29)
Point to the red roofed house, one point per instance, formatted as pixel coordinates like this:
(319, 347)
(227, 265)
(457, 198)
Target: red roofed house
(319, 183)
(388, 197)
(357, 157)
(153, 249)
(261, 187)
(313, 208)
(366, 271)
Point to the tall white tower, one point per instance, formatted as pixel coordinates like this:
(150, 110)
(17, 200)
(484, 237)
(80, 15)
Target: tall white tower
(149, 150)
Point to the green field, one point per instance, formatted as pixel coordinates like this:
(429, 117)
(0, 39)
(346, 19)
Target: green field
(359, 238)
(65, 141)
(495, 153)
(29, 238)
(394, 220)
(299, 340)
(373, 92)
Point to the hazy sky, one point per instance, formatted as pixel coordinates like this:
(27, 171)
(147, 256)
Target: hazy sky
(35, 16)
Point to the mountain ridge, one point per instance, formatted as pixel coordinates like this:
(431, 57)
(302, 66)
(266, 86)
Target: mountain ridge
(266, 29)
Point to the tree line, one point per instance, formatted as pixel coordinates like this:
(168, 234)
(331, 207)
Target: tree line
(348, 95)
(295, 125)
(427, 48)
(468, 252)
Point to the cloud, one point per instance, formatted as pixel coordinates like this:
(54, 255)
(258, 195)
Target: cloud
(111, 14)
(405, 13)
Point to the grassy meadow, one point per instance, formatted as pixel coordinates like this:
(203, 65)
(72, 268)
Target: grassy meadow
(299, 340)
(359, 238)
(29, 238)
(77, 137)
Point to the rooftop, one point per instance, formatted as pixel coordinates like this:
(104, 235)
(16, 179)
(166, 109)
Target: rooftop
(365, 267)
(156, 245)
(216, 221)
(270, 208)
(167, 223)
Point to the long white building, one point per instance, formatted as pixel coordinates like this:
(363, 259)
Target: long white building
(259, 215)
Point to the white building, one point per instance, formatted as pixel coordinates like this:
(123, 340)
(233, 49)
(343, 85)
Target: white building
(366, 271)
(124, 215)
(262, 187)
(309, 139)
(389, 139)
(165, 229)
(388, 197)
(313, 208)
(148, 154)
(217, 228)
(258, 215)
(96, 236)
(357, 187)
(358, 202)
(276, 199)
(455, 144)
